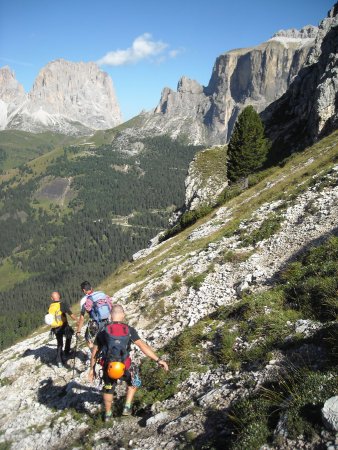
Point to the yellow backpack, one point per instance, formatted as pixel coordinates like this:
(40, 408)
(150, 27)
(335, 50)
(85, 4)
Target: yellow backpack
(55, 311)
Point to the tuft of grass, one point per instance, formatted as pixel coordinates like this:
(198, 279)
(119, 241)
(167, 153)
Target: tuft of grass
(248, 420)
(294, 401)
(5, 381)
(176, 278)
(195, 281)
(235, 257)
(268, 227)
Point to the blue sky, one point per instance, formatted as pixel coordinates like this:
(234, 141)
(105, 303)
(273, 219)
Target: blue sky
(157, 41)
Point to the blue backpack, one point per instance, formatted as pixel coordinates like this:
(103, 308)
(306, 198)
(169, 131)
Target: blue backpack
(101, 306)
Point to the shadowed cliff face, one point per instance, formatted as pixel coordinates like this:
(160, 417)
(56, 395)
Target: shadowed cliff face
(255, 76)
(309, 109)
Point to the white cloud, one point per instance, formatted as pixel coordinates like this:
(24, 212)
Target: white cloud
(143, 47)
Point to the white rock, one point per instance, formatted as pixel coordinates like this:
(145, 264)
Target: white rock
(160, 417)
(330, 413)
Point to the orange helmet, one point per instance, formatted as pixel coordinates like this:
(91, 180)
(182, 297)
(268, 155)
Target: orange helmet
(115, 370)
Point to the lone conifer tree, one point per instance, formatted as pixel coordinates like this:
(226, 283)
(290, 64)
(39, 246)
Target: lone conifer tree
(248, 145)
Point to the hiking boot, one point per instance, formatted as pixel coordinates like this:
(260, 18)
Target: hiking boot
(60, 365)
(108, 417)
(126, 411)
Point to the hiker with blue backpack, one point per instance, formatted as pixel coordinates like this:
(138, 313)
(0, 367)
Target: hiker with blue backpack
(112, 351)
(98, 306)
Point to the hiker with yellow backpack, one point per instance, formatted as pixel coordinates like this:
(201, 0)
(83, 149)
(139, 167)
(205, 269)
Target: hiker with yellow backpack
(57, 319)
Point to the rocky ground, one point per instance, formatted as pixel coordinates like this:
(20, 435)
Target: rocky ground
(223, 284)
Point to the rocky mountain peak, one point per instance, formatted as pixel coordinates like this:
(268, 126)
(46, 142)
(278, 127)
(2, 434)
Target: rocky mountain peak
(333, 11)
(64, 93)
(187, 85)
(307, 32)
(256, 76)
(79, 91)
(10, 88)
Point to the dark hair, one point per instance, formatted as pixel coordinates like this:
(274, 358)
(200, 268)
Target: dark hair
(85, 285)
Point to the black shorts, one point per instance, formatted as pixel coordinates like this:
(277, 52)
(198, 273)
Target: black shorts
(109, 384)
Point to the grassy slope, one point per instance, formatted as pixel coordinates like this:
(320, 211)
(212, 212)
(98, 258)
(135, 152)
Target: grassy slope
(21, 146)
(106, 136)
(10, 275)
(276, 183)
(262, 322)
(211, 163)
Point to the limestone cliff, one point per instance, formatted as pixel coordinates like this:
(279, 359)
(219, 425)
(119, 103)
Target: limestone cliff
(256, 76)
(309, 108)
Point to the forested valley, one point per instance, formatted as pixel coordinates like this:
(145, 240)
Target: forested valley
(78, 218)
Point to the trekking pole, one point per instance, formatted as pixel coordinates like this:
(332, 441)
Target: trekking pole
(75, 350)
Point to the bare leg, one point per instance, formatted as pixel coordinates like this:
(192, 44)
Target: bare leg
(131, 391)
(108, 401)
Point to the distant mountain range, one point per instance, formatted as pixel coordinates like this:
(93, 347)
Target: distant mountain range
(67, 97)
(78, 98)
